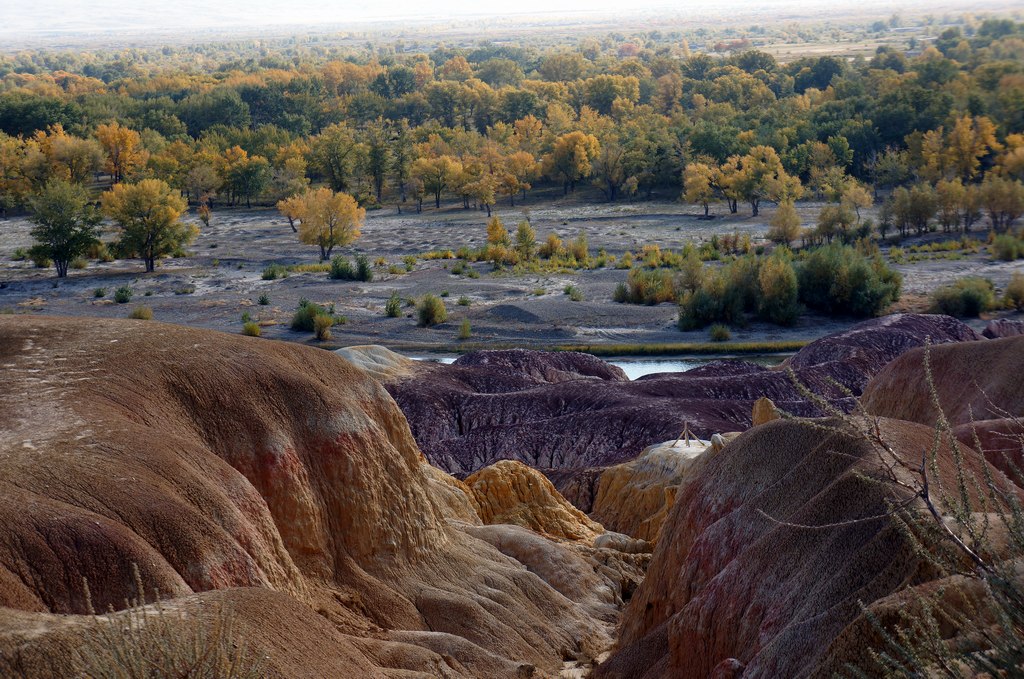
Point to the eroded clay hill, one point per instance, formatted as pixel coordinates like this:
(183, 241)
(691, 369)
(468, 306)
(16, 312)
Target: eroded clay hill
(572, 411)
(979, 386)
(273, 477)
(768, 552)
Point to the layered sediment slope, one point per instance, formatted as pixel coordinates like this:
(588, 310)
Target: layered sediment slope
(274, 477)
(768, 552)
(572, 411)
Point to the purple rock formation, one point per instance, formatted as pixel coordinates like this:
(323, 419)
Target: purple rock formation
(1003, 328)
(569, 410)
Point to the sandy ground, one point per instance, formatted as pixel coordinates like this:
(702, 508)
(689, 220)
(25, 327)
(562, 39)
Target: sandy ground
(221, 280)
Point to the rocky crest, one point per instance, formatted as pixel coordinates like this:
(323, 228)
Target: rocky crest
(273, 477)
(572, 411)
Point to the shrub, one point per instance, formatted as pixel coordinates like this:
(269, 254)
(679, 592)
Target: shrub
(837, 279)
(713, 302)
(263, 300)
(552, 246)
(341, 269)
(472, 273)
(20, 255)
(40, 258)
(123, 294)
(306, 313)
(779, 292)
(578, 249)
(465, 330)
(621, 293)
(966, 298)
(251, 329)
(650, 286)
(141, 313)
(274, 271)
(99, 292)
(393, 307)
(431, 311)
(1007, 247)
(364, 272)
(464, 301)
(78, 263)
(575, 294)
(410, 262)
(720, 333)
(1014, 297)
(322, 326)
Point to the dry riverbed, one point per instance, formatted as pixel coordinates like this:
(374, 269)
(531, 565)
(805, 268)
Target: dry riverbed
(222, 279)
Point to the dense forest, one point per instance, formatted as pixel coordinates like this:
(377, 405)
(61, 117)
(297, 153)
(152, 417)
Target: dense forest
(936, 128)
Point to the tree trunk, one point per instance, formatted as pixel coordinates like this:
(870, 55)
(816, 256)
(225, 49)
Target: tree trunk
(150, 263)
(706, 207)
(437, 200)
(488, 210)
(62, 268)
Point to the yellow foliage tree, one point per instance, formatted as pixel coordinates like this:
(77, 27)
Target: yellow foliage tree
(148, 214)
(571, 157)
(328, 219)
(123, 147)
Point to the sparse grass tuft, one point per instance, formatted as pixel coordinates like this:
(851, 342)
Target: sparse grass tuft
(141, 313)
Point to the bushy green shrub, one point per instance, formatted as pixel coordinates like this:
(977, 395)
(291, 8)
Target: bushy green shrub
(263, 300)
(838, 279)
(966, 298)
(274, 271)
(1007, 247)
(99, 292)
(778, 300)
(714, 301)
(306, 313)
(431, 311)
(649, 286)
(621, 293)
(123, 294)
(575, 294)
(341, 269)
(141, 313)
(464, 301)
(251, 329)
(322, 324)
(1014, 297)
(465, 330)
(720, 333)
(364, 272)
(393, 307)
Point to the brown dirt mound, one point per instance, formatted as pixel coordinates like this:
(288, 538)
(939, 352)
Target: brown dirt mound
(734, 589)
(214, 462)
(970, 379)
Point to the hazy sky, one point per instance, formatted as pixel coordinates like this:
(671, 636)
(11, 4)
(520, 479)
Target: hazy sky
(58, 15)
(29, 19)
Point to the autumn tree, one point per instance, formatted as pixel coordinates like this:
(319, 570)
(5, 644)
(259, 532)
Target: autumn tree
(65, 223)
(328, 219)
(526, 241)
(249, 178)
(378, 156)
(436, 174)
(1003, 199)
(123, 147)
(521, 170)
(571, 159)
(148, 214)
(759, 175)
(699, 185)
(784, 224)
(333, 153)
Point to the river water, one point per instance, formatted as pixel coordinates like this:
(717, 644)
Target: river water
(638, 367)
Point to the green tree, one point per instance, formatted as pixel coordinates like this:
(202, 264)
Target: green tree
(250, 178)
(65, 223)
(148, 214)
